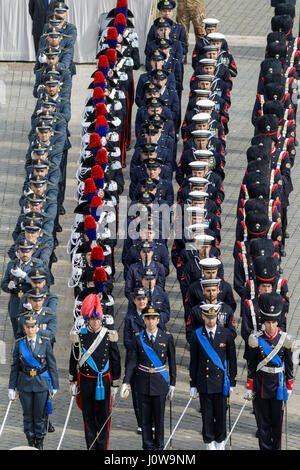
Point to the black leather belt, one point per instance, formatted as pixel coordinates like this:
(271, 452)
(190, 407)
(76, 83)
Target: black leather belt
(34, 372)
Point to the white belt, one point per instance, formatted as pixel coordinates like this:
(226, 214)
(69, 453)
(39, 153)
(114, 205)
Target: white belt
(272, 370)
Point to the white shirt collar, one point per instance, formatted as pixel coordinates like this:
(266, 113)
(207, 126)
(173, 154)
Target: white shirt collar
(213, 330)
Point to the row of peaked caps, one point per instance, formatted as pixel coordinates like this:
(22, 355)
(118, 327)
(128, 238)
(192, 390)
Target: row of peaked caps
(151, 170)
(28, 277)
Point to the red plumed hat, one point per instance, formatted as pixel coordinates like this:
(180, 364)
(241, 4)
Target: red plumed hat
(100, 108)
(89, 186)
(99, 77)
(101, 121)
(100, 275)
(97, 253)
(98, 94)
(96, 201)
(103, 61)
(120, 19)
(111, 54)
(122, 4)
(102, 156)
(95, 140)
(112, 33)
(89, 223)
(91, 306)
(97, 172)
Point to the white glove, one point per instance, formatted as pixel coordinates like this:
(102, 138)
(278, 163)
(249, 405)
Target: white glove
(27, 306)
(193, 392)
(230, 391)
(11, 394)
(124, 391)
(114, 391)
(171, 392)
(289, 392)
(11, 285)
(73, 389)
(18, 273)
(248, 393)
(42, 58)
(54, 392)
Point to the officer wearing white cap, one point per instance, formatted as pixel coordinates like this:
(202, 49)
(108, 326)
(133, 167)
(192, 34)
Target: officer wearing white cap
(213, 369)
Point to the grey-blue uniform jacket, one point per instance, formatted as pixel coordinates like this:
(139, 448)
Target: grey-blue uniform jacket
(19, 369)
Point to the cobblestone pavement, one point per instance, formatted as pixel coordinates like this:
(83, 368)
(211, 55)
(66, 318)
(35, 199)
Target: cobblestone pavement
(247, 24)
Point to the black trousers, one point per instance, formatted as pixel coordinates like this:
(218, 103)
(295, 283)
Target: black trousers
(213, 409)
(152, 410)
(36, 40)
(269, 417)
(95, 413)
(134, 395)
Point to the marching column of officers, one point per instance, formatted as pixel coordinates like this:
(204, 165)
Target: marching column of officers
(28, 278)
(209, 304)
(261, 230)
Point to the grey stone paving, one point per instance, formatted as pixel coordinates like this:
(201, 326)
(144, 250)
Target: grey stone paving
(237, 18)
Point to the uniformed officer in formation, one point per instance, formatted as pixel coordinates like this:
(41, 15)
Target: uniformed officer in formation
(34, 377)
(28, 275)
(95, 367)
(105, 139)
(151, 349)
(209, 304)
(261, 230)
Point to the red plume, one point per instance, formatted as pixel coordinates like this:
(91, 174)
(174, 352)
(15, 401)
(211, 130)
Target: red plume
(97, 253)
(100, 108)
(101, 121)
(89, 186)
(103, 61)
(98, 94)
(96, 201)
(99, 77)
(112, 33)
(89, 223)
(95, 140)
(91, 304)
(100, 275)
(111, 55)
(102, 156)
(97, 172)
(120, 19)
(122, 4)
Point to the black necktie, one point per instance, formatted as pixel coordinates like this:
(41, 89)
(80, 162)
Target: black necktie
(152, 339)
(211, 337)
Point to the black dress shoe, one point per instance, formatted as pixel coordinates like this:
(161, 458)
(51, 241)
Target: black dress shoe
(282, 253)
(39, 443)
(59, 228)
(56, 242)
(31, 441)
(62, 210)
(287, 235)
(54, 258)
(51, 428)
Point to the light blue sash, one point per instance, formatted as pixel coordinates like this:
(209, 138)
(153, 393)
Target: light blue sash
(154, 358)
(282, 388)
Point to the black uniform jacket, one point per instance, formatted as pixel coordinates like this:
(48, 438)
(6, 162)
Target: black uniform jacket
(265, 384)
(148, 383)
(106, 350)
(204, 374)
